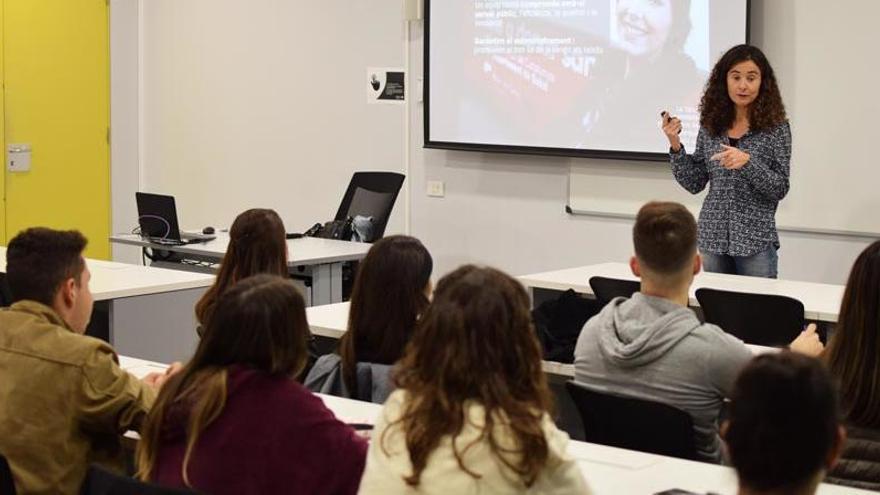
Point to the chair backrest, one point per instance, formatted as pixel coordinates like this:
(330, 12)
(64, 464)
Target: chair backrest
(373, 380)
(607, 289)
(7, 484)
(371, 194)
(5, 292)
(760, 319)
(99, 481)
(635, 424)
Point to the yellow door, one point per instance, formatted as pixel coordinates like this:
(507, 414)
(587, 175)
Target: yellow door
(57, 100)
(2, 134)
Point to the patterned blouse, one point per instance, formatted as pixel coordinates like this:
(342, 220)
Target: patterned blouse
(738, 214)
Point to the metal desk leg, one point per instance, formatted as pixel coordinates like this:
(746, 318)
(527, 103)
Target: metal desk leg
(326, 284)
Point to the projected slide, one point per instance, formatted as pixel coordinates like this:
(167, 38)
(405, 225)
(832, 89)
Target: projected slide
(573, 74)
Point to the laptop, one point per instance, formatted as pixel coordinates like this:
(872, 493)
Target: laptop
(157, 217)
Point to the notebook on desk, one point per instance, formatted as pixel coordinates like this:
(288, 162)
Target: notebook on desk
(157, 217)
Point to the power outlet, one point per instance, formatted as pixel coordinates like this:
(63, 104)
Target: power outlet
(436, 188)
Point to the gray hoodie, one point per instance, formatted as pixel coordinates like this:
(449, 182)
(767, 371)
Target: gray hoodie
(652, 348)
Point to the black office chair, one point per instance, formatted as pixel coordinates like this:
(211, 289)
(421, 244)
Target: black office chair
(635, 424)
(99, 481)
(5, 293)
(7, 484)
(371, 194)
(760, 319)
(607, 289)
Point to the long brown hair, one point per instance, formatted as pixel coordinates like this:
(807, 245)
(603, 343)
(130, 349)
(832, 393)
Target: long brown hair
(257, 244)
(717, 111)
(387, 299)
(853, 355)
(475, 343)
(260, 322)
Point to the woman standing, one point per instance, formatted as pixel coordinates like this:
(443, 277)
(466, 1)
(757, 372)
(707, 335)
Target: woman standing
(743, 151)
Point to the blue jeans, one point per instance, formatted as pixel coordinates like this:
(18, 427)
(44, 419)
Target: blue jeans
(763, 264)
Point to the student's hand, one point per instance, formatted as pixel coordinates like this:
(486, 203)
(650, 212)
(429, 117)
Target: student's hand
(731, 158)
(808, 342)
(672, 129)
(156, 380)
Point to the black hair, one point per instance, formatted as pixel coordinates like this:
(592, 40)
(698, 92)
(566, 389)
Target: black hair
(783, 421)
(39, 260)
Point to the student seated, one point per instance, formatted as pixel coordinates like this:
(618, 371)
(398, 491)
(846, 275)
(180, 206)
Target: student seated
(64, 400)
(234, 421)
(652, 346)
(853, 358)
(390, 292)
(471, 412)
(783, 431)
(257, 244)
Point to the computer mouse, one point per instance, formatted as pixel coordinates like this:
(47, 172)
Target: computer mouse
(208, 230)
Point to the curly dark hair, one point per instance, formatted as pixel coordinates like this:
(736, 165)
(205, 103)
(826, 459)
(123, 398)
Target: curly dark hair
(476, 343)
(717, 111)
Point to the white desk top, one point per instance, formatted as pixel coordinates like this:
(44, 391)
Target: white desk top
(608, 470)
(331, 320)
(302, 251)
(328, 320)
(112, 280)
(821, 301)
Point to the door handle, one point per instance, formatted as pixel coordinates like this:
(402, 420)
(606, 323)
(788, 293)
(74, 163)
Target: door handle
(18, 157)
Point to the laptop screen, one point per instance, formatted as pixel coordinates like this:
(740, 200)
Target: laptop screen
(157, 216)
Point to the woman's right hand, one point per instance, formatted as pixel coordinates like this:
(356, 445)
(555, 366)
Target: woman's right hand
(808, 342)
(672, 129)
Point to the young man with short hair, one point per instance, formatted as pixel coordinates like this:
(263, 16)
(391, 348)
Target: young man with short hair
(652, 346)
(64, 400)
(784, 431)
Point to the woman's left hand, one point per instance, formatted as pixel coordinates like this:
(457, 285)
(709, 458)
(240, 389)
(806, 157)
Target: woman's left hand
(731, 158)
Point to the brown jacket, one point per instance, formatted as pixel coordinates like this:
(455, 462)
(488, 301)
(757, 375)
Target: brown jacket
(64, 400)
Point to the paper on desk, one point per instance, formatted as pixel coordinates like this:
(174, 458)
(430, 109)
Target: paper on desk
(141, 367)
(141, 371)
(351, 411)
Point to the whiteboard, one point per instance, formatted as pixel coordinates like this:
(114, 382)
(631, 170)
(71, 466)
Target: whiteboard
(825, 61)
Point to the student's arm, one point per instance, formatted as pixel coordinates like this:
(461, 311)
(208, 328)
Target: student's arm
(768, 174)
(691, 171)
(111, 399)
(349, 456)
(339, 453)
(724, 361)
(563, 474)
(387, 456)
